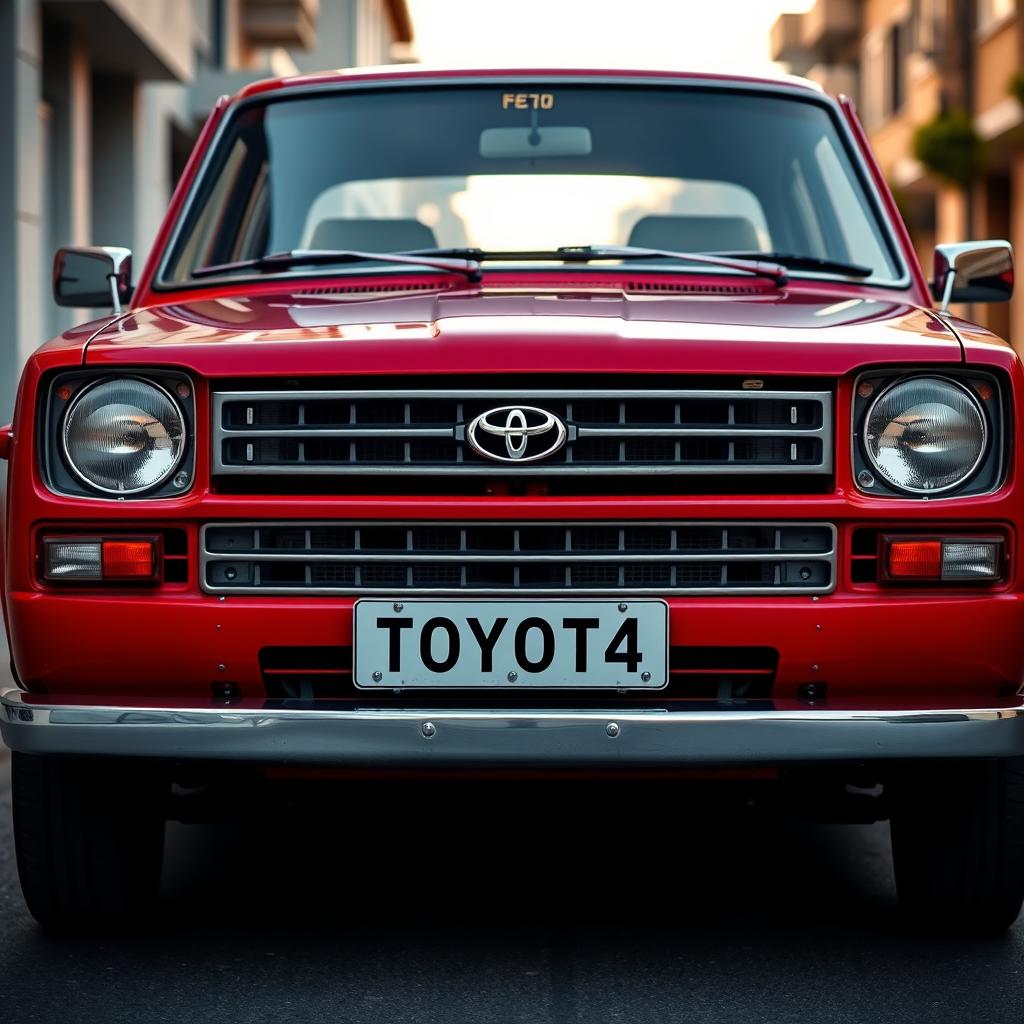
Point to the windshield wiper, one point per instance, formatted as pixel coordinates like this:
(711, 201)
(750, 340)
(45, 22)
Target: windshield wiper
(588, 253)
(797, 262)
(312, 257)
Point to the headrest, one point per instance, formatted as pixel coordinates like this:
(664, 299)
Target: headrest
(695, 234)
(371, 234)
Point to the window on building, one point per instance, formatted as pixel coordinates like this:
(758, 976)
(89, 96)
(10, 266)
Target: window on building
(872, 76)
(896, 47)
(928, 26)
(884, 62)
(991, 12)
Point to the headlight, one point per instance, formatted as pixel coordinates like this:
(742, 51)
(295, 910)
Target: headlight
(123, 436)
(925, 435)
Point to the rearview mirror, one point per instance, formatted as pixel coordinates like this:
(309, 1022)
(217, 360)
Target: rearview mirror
(530, 143)
(973, 272)
(96, 276)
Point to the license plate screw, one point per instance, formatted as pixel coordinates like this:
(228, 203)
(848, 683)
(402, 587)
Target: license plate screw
(612, 728)
(398, 606)
(378, 676)
(623, 606)
(645, 676)
(513, 676)
(428, 729)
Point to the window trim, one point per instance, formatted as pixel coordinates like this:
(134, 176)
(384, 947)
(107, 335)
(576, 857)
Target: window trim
(161, 284)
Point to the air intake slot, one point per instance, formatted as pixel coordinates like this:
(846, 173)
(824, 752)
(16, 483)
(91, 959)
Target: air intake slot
(725, 675)
(586, 558)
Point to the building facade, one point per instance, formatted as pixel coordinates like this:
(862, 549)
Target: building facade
(103, 101)
(905, 63)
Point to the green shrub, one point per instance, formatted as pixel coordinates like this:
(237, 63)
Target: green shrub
(1016, 87)
(949, 147)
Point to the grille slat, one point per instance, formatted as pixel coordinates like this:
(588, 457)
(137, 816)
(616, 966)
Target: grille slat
(608, 432)
(590, 558)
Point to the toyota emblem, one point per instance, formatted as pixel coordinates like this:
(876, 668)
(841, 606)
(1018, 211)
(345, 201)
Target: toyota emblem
(516, 433)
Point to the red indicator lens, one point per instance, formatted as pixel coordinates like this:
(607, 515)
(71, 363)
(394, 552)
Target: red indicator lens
(915, 559)
(129, 559)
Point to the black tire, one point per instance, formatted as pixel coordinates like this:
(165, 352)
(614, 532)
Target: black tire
(89, 837)
(958, 844)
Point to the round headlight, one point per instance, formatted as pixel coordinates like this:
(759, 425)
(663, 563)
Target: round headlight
(123, 436)
(925, 435)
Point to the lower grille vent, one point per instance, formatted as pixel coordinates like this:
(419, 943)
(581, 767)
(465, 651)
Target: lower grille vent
(582, 558)
(721, 674)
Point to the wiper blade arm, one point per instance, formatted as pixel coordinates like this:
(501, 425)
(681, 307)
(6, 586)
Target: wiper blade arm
(312, 257)
(589, 253)
(751, 264)
(796, 261)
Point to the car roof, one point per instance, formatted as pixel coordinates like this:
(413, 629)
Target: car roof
(397, 73)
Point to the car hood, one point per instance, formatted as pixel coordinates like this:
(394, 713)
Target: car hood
(507, 330)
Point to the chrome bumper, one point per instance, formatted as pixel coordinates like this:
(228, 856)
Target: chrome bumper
(391, 737)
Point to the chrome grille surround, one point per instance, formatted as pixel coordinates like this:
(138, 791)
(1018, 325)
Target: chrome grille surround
(609, 432)
(544, 557)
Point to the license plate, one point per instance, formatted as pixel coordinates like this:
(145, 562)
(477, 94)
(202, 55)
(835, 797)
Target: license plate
(512, 644)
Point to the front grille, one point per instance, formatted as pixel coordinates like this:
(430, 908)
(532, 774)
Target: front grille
(507, 558)
(301, 675)
(408, 432)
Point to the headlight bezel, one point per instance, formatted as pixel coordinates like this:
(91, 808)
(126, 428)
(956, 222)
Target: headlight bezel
(985, 390)
(65, 390)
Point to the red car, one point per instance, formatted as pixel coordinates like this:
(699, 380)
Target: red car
(531, 420)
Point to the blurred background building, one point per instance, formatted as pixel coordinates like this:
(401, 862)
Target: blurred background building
(938, 86)
(102, 101)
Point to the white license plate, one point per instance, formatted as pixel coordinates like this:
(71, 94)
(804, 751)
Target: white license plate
(517, 644)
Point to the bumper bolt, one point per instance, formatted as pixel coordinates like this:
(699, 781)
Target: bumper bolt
(378, 676)
(811, 693)
(428, 729)
(226, 692)
(612, 728)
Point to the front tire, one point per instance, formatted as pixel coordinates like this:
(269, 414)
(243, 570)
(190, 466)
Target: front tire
(958, 844)
(89, 836)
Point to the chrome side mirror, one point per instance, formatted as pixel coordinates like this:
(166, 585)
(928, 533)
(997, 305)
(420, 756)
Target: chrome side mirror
(973, 272)
(94, 276)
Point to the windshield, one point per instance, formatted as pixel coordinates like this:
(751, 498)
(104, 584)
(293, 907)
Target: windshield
(517, 169)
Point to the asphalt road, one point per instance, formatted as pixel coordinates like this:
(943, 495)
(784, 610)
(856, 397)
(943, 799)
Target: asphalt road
(512, 904)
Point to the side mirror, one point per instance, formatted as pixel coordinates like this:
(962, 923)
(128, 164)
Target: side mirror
(95, 276)
(973, 272)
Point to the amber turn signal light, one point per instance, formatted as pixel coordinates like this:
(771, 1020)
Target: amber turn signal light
(947, 559)
(82, 559)
(129, 559)
(915, 559)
